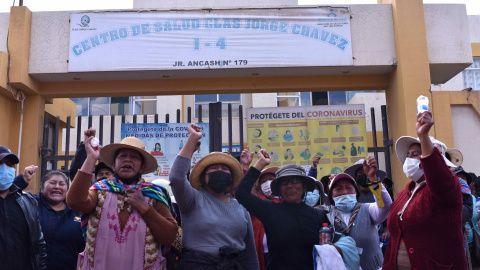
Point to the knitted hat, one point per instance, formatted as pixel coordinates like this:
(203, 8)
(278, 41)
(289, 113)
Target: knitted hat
(216, 158)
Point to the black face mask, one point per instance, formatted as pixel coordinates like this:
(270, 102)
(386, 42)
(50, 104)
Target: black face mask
(219, 181)
(129, 181)
(362, 180)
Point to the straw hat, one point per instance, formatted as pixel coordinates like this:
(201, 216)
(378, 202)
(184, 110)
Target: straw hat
(291, 170)
(359, 164)
(216, 158)
(456, 156)
(403, 144)
(107, 153)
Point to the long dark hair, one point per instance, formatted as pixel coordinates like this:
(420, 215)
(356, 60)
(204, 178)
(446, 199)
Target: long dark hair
(50, 175)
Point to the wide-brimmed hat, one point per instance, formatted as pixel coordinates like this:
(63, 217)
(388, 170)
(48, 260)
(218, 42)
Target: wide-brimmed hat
(359, 164)
(291, 170)
(6, 153)
(271, 170)
(100, 166)
(107, 153)
(468, 177)
(338, 178)
(403, 144)
(455, 155)
(216, 158)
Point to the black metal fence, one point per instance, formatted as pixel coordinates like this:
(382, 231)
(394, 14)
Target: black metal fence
(51, 155)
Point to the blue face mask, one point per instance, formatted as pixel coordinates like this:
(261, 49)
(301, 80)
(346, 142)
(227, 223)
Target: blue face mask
(7, 174)
(345, 203)
(312, 198)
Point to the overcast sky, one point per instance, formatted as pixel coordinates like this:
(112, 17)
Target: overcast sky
(473, 6)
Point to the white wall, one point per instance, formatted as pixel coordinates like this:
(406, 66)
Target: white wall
(375, 100)
(474, 25)
(466, 127)
(262, 100)
(373, 39)
(169, 104)
(448, 33)
(177, 4)
(455, 84)
(4, 22)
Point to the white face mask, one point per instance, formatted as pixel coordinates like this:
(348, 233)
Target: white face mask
(411, 168)
(266, 188)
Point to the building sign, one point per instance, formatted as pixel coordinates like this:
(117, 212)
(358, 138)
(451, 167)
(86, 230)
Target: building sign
(164, 142)
(294, 135)
(210, 39)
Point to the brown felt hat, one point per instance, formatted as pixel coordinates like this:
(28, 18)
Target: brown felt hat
(107, 153)
(216, 158)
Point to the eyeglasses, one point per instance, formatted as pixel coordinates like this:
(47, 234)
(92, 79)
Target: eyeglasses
(293, 181)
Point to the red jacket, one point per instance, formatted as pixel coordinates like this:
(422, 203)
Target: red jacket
(432, 223)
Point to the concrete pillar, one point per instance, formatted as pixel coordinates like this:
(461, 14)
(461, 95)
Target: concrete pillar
(410, 79)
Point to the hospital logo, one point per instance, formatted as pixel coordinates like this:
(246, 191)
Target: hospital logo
(84, 21)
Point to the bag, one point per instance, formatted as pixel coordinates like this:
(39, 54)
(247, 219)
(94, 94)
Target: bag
(475, 242)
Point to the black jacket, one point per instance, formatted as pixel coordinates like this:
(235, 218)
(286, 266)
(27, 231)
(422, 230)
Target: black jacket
(63, 233)
(28, 204)
(78, 160)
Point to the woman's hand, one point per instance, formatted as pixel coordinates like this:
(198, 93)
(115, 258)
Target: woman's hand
(424, 123)
(315, 161)
(137, 201)
(89, 133)
(370, 168)
(263, 160)
(29, 172)
(246, 158)
(92, 153)
(195, 132)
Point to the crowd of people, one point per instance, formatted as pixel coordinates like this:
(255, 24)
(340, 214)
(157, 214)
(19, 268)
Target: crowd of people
(232, 214)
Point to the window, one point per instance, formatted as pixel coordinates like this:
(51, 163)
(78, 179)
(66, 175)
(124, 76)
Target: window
(204, 100)
(290, 99)
(144, 105)
(471, 75)
(101, 106)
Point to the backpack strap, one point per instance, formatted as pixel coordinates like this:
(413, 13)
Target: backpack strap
(352, 218)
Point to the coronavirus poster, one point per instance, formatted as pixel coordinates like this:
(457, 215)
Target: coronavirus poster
(164, 142)
(294, 135)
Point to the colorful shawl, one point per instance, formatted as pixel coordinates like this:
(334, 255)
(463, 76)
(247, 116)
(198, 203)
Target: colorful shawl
(150, 190)
(465, 187)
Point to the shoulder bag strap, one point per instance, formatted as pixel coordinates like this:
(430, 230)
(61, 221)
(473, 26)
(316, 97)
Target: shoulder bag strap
(352, 218)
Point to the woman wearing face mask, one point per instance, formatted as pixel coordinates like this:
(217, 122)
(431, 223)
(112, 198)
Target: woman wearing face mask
(292, 227)
(317, 197)
(217, 230)
(360, 220)
(425, 221)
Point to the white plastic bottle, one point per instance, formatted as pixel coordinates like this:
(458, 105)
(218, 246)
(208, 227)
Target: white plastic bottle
(422, 104)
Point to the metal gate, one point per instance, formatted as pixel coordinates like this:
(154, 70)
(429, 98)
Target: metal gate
(51, 156)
